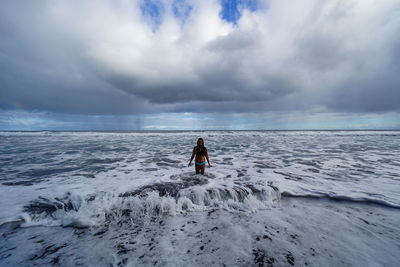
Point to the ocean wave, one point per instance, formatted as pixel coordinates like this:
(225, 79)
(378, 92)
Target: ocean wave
(322, 195)
(183, 193)
(188, 193)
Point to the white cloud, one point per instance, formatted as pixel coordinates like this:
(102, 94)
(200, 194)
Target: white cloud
(285, 55)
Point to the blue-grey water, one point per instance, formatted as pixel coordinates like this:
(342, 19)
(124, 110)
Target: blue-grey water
(273, 198)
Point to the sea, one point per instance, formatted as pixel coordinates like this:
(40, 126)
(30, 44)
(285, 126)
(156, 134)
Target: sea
(271, 198)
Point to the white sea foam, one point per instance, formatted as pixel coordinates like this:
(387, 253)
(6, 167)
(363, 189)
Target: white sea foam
(118, 191)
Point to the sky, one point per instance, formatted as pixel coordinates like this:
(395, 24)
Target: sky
(199, 65)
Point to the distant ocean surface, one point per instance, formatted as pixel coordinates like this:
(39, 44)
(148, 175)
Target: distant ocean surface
(272, 198)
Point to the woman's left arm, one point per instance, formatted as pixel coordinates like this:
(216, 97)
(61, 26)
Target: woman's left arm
(206, 154)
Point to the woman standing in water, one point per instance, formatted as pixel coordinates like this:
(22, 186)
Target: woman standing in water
(201, 153)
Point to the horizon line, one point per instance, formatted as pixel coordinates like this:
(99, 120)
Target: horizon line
(208, 130)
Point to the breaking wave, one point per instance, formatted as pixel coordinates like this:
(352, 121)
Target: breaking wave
(330, 196)
(185, 194)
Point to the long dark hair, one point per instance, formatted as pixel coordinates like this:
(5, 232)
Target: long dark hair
(200, 151)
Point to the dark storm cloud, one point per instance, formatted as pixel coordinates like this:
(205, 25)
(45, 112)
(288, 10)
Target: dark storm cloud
(213, 86)
(378, 93)
(56, 88)
(40, 68)
(106, 57)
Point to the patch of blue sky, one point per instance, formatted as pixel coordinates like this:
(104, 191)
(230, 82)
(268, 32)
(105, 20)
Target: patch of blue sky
(181, 10)
(154, 11)
(231, 9)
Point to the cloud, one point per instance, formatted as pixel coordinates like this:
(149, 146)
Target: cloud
(135, 57)
(34, 120)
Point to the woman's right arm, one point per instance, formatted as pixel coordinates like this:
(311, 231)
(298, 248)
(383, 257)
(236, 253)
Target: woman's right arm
(194, 152)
